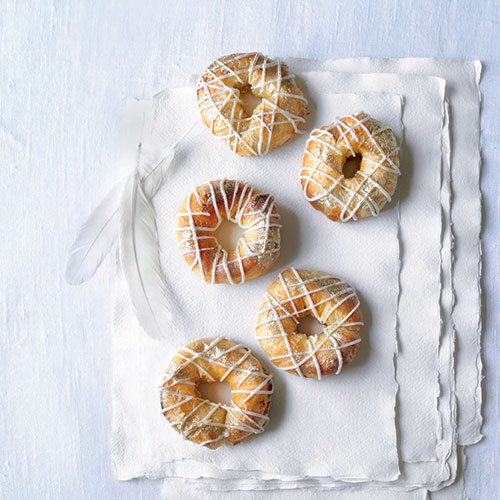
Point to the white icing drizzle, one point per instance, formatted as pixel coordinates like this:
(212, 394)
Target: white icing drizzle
(331, 181)
(240, 419)
(222, 101)
(276, 312)
(264, 221)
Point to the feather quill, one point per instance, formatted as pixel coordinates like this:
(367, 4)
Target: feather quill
(140, 259)
(95, 239)
(153, 178)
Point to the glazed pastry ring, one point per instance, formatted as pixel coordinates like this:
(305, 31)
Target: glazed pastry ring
(201, 213)
(299, 293)
(364, 195)
(275, 120)
(215, 424)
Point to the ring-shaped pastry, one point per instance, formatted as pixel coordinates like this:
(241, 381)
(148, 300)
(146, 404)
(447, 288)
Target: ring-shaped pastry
(202, 212)
(275, 120)
(296, 294)
(215, 424)
(322, 174)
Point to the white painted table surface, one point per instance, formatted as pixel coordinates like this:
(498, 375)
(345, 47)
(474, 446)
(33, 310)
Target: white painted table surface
(67, 69)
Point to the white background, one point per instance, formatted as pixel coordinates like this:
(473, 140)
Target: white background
(67, 69)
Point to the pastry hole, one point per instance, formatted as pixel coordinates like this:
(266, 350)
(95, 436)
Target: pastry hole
(228, 234)
(351, 166)
(248, 100)
(310, 326)
(217, 392)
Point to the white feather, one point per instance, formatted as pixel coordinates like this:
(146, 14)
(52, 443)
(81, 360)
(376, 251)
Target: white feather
(101, 231)
(95, 239)
(140, 260)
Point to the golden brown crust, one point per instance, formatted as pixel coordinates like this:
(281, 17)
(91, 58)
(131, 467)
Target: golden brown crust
(215, 424)
(203, 210)
(296, 294)
(322, 178)
(274, 120)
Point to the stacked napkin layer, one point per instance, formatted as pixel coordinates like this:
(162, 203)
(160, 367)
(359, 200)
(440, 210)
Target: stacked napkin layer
(389, 421)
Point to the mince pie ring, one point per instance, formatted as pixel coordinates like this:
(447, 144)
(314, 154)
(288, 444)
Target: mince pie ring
(202, 212)
(296, 294)
(275, 120)
(322, 177)
(214, 424)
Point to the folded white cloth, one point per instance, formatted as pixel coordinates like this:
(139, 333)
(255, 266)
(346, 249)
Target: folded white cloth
(422, 101)
(432, 474)
(423, 97)
(462, 91)
(438, 424)
(144, 444)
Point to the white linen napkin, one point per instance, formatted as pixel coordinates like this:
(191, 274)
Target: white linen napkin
(420, 422)
(144, 444)
(462, 84)
(432, 473)
(464, 93)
